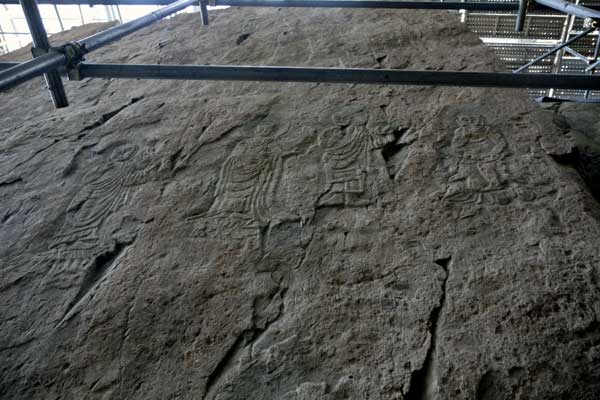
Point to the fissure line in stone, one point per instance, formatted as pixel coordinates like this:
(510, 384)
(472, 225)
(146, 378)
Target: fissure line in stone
(423, 380)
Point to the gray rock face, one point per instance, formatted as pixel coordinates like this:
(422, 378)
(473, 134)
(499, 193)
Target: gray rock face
(194, 240)
(582, 121)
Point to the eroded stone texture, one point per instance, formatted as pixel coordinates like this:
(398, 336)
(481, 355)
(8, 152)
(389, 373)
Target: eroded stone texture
(248, 240)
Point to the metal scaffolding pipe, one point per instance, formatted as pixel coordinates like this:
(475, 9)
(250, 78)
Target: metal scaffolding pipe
(570, 8)
(554, 50)
(437, 5)
(392, 4)
(62, 27)
(520, 22)
(25, 71)
(18, 74)
(103, 38)
(338, 75)
(6, 65)
(40, 41)
(204, 12)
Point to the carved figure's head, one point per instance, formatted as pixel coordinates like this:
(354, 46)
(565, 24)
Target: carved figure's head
(473, 121)
(341, 119)
(124, 152)
(265, 130)
(330, 137)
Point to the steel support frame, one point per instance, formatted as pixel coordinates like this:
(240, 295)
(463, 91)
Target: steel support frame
(336, 75)
(21, 72)
(592, 65)
(330, 75)
(3, 44)
(521, 14)
(42, 46)
(72, 53)
(555, 49)
(392, 4)
(571, 9)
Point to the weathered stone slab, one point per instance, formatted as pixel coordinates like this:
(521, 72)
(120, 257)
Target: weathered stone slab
(294, 241)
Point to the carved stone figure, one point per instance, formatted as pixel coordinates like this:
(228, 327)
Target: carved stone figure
(480, 167)
(347, 160)
(86, 230)
(374, 287)
(246, 188)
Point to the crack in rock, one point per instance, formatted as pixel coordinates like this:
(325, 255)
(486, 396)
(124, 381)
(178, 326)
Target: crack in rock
(99, 268)
(107, 117)
(242, 38)
(225, 364)
(246, 339)
(11, 181)
(395, 146)
(124, 336)
(423, 380)
(391, 150)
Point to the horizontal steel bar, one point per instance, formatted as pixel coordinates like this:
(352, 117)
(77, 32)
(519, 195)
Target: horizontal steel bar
(339, 75)
(577, 55)
(16, 33)
(439, 5)
(13, 76)
(570, 8)
(592, 66)
(6, 65)
(103, 38)
(392, 4)
(25, 71)
(573, 99)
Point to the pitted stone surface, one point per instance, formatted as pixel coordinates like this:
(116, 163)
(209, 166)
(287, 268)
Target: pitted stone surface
(211, 240)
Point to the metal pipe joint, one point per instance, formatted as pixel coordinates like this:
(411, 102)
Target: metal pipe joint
(73, 52)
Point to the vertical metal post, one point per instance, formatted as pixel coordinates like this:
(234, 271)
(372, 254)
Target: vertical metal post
(62, 28)
(109, 16)
(567, 28)
(3, 43)
(204, 11)
(119, 14)
(41, 46)
(520, 23)
(593, 61)
(53, 60)
(81, 14)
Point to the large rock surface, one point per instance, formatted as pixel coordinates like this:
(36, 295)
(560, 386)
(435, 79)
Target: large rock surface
(193, 240)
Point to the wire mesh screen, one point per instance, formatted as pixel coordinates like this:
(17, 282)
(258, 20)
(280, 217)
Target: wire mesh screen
(542, 31)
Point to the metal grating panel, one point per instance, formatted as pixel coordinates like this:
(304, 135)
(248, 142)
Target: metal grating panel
(549, 28)
(542, 31)
(513, 56)
(585, 45)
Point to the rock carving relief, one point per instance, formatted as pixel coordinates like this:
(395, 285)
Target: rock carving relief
(481, 172)
(348, 159)
(96, 227)
(107, 187)
(244, 198)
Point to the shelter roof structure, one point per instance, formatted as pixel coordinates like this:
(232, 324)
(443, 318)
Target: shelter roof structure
(551, 47)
